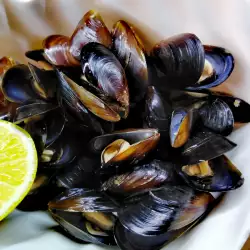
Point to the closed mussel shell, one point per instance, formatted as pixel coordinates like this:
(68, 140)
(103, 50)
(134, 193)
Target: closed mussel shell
(216, 175)
(217, 116)
(142, 177)
(181, 59)
(131, 53)
(185, 219)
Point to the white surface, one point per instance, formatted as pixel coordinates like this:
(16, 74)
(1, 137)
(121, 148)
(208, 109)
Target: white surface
(24, 23)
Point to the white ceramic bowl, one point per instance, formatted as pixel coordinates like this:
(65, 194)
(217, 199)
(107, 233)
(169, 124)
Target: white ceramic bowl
(226, 23)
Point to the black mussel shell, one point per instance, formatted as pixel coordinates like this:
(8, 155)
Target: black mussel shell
(181, 59)
(38, 132)
(219, 64)
(17, 84)
(239, 107)
(55, 123)
(165, 203)
(138, 142)
(32, 110)
(196, 209)
(216, 175)
(63, 150)
(83, 200)
(90, 28)
(217, 116)
(102, 68)
(204, 145)
(142, 177)
(5, 64)
(180, 127)
(131, 53)
(158, 111)
(44, 82)
(35, 55)
(69, 100)
(76, 226)
(81, 173)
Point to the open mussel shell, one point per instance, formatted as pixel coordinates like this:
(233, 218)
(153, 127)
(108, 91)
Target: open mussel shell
(90, 28)
(128, 146)
(94, 104)
(77, 226)
(81, 173)
(217, 116)
(158, 111)
(142, 177)
(56, 51)
(238, 106)
(32, 110)
(219, 64)
(44, 82)
(17, 84)
(83, 200)
(204, 145)
(103, 69)
(216, 175)
(69, 99)
(180, 127)
(181, 59)
(186, 217)
(131, 53)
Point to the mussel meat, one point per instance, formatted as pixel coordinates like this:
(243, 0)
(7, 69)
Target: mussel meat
(216, 175)
(128, 146)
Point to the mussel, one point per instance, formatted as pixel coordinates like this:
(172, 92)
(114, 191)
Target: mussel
(95, 227)
(204, 145)
(217, 116)
(181, 59)
(90, 28)
(216, 175)
(122, 147)
(142, 177)
(102, 68)
(160, 217)
(83, 200)
(131, 53)
(219, 64)
(158, 111)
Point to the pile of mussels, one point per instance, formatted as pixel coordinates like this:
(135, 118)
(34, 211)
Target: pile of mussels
(150, 181)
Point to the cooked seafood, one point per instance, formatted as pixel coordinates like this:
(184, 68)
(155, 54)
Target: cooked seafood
(129, 145)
